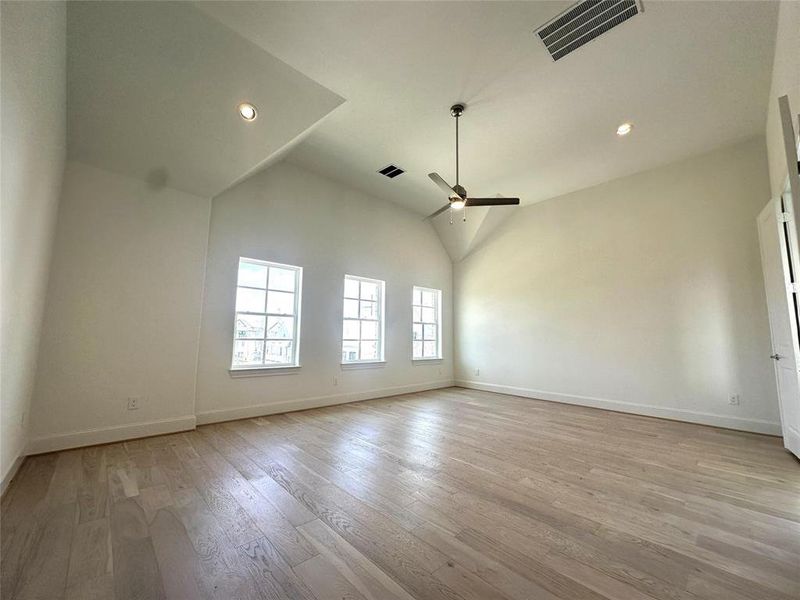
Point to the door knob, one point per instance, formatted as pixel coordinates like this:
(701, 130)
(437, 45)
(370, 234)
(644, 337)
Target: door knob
(775, 356)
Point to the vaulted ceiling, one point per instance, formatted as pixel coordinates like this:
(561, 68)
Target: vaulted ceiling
(689, 75)
(345, 88)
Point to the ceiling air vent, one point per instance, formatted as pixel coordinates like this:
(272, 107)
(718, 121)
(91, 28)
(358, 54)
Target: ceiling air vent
(391, 171)
(583, 22)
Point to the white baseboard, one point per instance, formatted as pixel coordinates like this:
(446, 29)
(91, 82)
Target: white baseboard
(119, 433)
(12, 471)
(675, 414)
(106, 435)
(260, 410)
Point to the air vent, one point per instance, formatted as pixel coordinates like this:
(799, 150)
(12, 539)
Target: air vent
(583, 22)
(391, 171)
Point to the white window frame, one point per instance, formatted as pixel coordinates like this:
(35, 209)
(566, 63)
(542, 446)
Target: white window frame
(298, 292)
(437, 294)
(380, 305)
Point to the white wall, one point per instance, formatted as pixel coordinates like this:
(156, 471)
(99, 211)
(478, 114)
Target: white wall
(289, 215)
(33, 122)
(123, 311)
(785, 80)
(644, 294)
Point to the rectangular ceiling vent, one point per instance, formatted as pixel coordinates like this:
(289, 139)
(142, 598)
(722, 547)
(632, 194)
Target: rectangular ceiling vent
(583, 22)
(391, 171)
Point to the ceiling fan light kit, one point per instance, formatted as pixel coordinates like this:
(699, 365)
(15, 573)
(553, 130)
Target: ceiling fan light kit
(457, 194)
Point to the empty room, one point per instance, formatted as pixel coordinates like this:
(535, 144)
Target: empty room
(400, 300)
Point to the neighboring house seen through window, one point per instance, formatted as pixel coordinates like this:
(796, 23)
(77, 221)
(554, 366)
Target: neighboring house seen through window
(267, 327)
(426, 326)
(362, 324)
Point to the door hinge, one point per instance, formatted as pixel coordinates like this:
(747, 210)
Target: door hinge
(793, 287)
(785, 217)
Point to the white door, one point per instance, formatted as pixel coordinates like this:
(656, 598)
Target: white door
(775, 240)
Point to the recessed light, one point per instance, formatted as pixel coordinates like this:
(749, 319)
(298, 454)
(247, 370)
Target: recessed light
(624, 129)
(247, 111)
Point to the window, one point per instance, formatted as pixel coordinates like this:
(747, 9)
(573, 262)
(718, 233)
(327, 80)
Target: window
(267, 326)
(362, 325)
(426, 326)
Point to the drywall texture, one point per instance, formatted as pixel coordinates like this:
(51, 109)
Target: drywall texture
(785, 80)
(33, 122)
(123, 307)
(645, 290)
(289, 215)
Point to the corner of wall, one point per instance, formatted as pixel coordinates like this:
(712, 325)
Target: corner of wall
(33, 121)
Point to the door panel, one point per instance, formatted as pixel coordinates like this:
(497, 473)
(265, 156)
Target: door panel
(782, 319)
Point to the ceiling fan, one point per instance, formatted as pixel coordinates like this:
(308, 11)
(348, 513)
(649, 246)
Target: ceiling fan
(457, 195)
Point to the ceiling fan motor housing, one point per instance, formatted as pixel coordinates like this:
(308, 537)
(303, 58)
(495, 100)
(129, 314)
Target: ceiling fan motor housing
(459, 189)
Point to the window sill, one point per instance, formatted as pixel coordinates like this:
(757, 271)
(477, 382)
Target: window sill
(263, 371)
(427, 361)
(365, 364)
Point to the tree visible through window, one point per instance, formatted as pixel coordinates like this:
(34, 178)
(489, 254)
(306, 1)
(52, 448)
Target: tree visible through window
(426, 326)
(267, 325)
(362, 325)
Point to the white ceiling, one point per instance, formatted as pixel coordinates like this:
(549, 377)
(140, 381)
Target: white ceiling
(153, 89)
(690, 75)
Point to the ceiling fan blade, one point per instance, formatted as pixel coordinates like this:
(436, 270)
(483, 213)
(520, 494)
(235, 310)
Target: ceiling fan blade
(492, 201)
(438, 212)
(436, 178)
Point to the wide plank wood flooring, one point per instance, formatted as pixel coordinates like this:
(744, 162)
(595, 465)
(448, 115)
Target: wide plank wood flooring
(453, 494)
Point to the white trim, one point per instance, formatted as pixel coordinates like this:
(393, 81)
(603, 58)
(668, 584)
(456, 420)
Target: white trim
(11, 473)
(362, 364)
(106, 435)
(264, 371)
(675, 414)
(260, 410)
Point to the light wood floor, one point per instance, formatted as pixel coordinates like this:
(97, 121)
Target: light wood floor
(448, 494)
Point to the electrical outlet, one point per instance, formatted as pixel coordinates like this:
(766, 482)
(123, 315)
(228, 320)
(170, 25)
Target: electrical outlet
(733, 399)
(335, 381)
(133, 402)
(477, 372)
(22, 418)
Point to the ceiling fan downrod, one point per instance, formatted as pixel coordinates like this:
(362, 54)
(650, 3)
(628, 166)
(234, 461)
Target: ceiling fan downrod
(457, 110)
